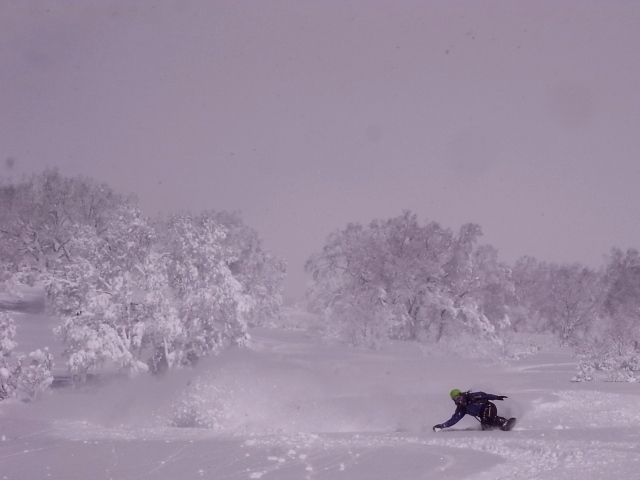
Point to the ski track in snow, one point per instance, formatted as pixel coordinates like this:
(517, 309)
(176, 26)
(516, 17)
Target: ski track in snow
(522, 453)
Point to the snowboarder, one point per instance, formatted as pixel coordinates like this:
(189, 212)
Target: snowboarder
(479, 405)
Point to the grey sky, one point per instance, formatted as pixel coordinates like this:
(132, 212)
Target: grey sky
(523, 117)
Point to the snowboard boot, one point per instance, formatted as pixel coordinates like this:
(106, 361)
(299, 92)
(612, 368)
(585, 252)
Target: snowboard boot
(495, 422)
(501, 422)
(509, 424)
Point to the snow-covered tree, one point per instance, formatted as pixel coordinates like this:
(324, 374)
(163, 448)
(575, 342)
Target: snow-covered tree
(130, 293)
(615, 346)
(41, 215)
(622, 301)
(563, 299)
(529, 278)
(574, 300)
(413, 279)
(260, 273)
(212, 304)
(477, 284)
(354, 282)
(97, 293)
(136, 298)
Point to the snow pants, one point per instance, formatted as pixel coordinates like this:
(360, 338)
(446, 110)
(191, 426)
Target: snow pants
(489, 418)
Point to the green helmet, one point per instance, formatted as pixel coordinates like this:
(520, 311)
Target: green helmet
(455, 392)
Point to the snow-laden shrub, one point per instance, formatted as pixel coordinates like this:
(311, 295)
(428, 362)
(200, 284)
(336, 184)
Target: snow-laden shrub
(609, 361)
(17, 378)
(36, 377)
(7, 333)
(585, 372)
(8, 366)
(202, 405)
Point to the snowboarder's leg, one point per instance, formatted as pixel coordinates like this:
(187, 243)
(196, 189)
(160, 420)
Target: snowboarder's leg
(489, 418)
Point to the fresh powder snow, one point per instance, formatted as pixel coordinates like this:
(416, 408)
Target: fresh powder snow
(294, 407)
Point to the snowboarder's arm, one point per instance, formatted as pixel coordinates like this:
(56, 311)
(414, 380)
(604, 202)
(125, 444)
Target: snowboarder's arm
(457, 416)
(487, 396)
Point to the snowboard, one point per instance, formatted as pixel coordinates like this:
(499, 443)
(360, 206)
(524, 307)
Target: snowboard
(509, 425)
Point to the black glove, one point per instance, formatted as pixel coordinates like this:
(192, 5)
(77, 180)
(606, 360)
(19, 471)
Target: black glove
(501, 397)
(437, 428)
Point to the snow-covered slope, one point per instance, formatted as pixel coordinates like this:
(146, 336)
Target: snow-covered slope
(295, 408)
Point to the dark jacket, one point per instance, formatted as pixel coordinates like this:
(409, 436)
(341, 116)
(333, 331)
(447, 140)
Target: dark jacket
(474, 404)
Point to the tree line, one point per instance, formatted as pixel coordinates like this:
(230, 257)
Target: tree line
(140, 294)
(401, 279)
(131, 292)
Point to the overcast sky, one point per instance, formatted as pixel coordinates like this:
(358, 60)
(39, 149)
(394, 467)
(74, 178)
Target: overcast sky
(521, 116)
